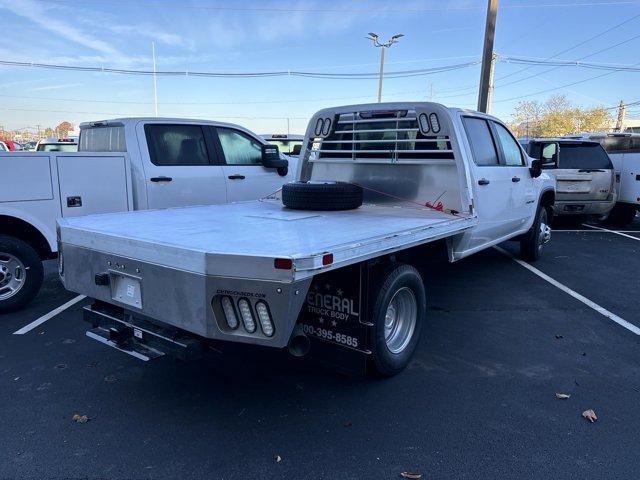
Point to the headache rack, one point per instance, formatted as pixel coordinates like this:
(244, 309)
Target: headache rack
(382, 136)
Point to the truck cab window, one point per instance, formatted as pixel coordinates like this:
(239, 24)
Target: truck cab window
(510, 148)
(238, 148)
(102, 139)
(481, 141)
(176, 145)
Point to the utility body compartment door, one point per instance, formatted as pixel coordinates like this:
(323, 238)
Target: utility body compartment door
(94, 183)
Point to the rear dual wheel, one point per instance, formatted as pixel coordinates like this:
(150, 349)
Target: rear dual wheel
(398, 313)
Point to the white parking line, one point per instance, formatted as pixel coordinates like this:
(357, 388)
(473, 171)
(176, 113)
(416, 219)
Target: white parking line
(601, 310)
(613, 231)
(48, 316)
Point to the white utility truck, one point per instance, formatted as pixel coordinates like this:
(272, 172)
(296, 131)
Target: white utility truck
(317, 263)
(624, 152)
(123, 164)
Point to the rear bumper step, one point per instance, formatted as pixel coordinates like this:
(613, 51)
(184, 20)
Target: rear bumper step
(137, 337)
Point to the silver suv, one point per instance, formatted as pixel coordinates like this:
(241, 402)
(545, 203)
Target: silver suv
(585, 177)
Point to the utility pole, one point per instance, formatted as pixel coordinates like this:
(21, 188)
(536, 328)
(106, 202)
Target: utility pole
(155, 85)
(383, 46)
(431, 91)
(487, 57)
(620, 120)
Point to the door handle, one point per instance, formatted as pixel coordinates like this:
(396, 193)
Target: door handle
(515, 179)
(237, 176)
(161, 179)
(483, 181)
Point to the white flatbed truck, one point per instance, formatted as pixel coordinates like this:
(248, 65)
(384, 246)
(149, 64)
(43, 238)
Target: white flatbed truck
(319, 269)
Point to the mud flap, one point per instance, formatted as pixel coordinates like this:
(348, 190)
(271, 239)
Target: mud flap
(335, 318)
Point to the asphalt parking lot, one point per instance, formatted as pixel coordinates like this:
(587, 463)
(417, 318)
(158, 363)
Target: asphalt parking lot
(478, 401)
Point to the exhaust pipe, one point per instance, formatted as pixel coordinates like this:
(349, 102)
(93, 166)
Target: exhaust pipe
(299, 344)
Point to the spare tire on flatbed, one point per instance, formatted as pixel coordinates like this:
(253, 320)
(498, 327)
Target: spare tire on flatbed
(321, 195)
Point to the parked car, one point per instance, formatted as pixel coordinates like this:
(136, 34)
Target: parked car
(287, 143)
(585, 178)
(624, 152)
(122, 164)
(3, 147)
(58, 145)
(318, 264)
(9, 144)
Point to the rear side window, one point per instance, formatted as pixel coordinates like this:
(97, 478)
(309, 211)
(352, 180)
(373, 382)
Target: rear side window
(481, 140)
(616, 144)
(102, 139)
(171, 145)
(583, 156)
(57, 147)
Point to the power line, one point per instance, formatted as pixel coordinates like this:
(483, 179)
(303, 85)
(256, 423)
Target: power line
(559, 87)
(341, 11)
(573, 47)
(570, 63)
(282, 73)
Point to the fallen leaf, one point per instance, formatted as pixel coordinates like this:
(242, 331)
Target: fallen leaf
(278, 459)
(411, 475)
(563, 396)
(80, 418)
(558, 337)
(590, 415)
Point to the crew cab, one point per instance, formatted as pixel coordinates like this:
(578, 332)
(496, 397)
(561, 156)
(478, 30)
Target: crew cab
(330, 262)
(624, 151)
(585, 178)
(122, 164)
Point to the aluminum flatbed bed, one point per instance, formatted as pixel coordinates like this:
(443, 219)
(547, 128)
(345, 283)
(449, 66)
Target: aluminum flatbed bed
(243, 239)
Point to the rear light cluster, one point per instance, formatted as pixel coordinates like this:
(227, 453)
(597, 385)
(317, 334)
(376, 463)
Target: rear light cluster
(245, 312)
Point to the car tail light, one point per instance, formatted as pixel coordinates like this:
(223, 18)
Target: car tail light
(247, 316)
(264, 316)
(229, 312)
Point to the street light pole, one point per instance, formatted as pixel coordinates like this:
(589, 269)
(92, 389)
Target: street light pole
(374, 38)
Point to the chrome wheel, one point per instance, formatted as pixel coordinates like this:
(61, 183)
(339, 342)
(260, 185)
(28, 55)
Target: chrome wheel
(544, 234)
(400, 320)
(12, 275)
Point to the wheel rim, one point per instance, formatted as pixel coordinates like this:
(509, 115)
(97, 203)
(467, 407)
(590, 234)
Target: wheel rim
(12, 275)
(400, 320)
(544, 235)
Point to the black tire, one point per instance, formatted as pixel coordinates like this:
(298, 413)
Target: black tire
(321, 196)
(392, 279)
(621, 215)
(33, 273)
(532, 243)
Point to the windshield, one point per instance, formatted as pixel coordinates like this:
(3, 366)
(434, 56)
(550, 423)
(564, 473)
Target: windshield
(58, 147)
(583, 156)
(285, 146)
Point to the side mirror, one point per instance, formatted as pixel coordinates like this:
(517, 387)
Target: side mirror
(536, 168)
(271, 159)
(296, 150)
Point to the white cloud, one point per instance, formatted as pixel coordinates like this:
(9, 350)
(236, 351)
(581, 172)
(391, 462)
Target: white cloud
(44, 18)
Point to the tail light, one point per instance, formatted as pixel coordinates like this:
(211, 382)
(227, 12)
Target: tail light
(247, 315)
(264, 316)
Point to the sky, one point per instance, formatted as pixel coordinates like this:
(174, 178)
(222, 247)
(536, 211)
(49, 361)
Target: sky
(300, 35)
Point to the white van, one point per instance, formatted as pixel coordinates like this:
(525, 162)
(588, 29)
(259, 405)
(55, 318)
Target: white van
(624, 151)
